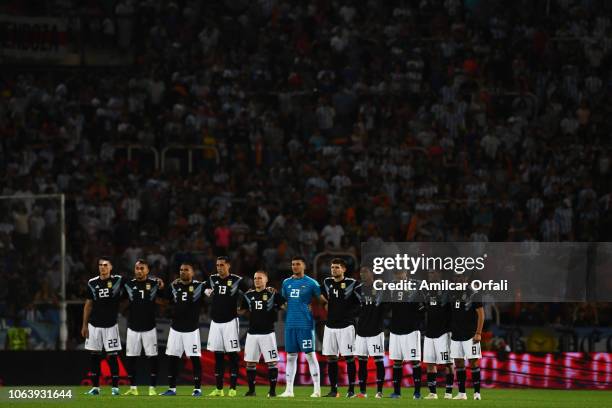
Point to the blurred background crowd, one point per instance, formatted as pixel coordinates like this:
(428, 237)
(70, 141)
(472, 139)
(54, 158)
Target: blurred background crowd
(300, 127)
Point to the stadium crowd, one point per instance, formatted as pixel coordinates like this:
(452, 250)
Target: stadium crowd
(335, 123)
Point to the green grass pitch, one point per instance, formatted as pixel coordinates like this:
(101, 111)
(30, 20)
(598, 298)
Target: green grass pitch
(513, 398)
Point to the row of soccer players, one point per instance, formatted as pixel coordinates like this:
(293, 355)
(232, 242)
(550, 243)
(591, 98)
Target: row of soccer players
(344, 297)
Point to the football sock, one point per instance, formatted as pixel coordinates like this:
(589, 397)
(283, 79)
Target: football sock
(114, 369)
(431, 381)
(219, 369)
(153, 369)
(380, 373)
(313, 366)
(397, 377)
(251, 372)
(461, 379)
(363, 374)
(174, 368)
(332, 374)
(351, 371)
(273, 377)
(476, 379)
(233, 360)
(450, 379)
(130, 366)
(95, 369)
(197, 372)
(416, 377)
(290, 370)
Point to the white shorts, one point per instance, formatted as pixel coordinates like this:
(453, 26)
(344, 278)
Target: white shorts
(405, 347)
(106, 338)
(465, 349)
(137, 340)
(437, 350)
(258, 344)
(187, 342)
(224, 336)
(370, 346)
(338, 341)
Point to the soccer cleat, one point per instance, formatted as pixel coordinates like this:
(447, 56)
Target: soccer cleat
(152, 391)
(286, 394)
(448, 395)
(115, 391)
(460, 396)
(332, 394)
(168, 393)
(430, 396)
(378, 395)
(477, 396)
(196, 393)
(131, 391)
(315, 395)
(362, 395)
(271, 395)
(216, 393)
(93, 391)
(250, 394)
(350, 394)
(231, 393)
(395, 396)
(416, 395)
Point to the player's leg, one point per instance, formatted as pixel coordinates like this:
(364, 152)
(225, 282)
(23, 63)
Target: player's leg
(192, 346)
(458, 355)
(291, 348)
(149, 343)
(251, 357)
(308, 348)
(396, 354)
(450, 380)
(112, 345)
(430, 360)
(93, 343)
(361, 351)
(215, 344)
(346, 341)
(414, 347)
(174, 351)
(380, 375)
(133, 348)
(376, 348)
(444, 353)
(232, 348)
(330, 351)
(474, 357)
(267, 345)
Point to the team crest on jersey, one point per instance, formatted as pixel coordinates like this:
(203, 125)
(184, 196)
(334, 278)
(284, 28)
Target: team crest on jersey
(342, 285)
(265, 297)
(148, 286)
(109, 284)
(191, 288)
(229, 283)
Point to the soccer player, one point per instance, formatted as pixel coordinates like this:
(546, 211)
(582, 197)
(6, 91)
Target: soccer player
(299, 290)
(339, 333)
(467, 319)
(142, 293)
(184, 337)
(100, 323)
(437, 338)
(405, 337)
(370, 340)
(225, 289)
(263, 306)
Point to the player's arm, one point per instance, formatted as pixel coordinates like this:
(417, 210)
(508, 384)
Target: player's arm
(86, 313)
(480, 324)
(243, 306)
(280, 302)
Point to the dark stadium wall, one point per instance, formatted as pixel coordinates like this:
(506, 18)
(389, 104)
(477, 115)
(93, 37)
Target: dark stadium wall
(499, 370)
